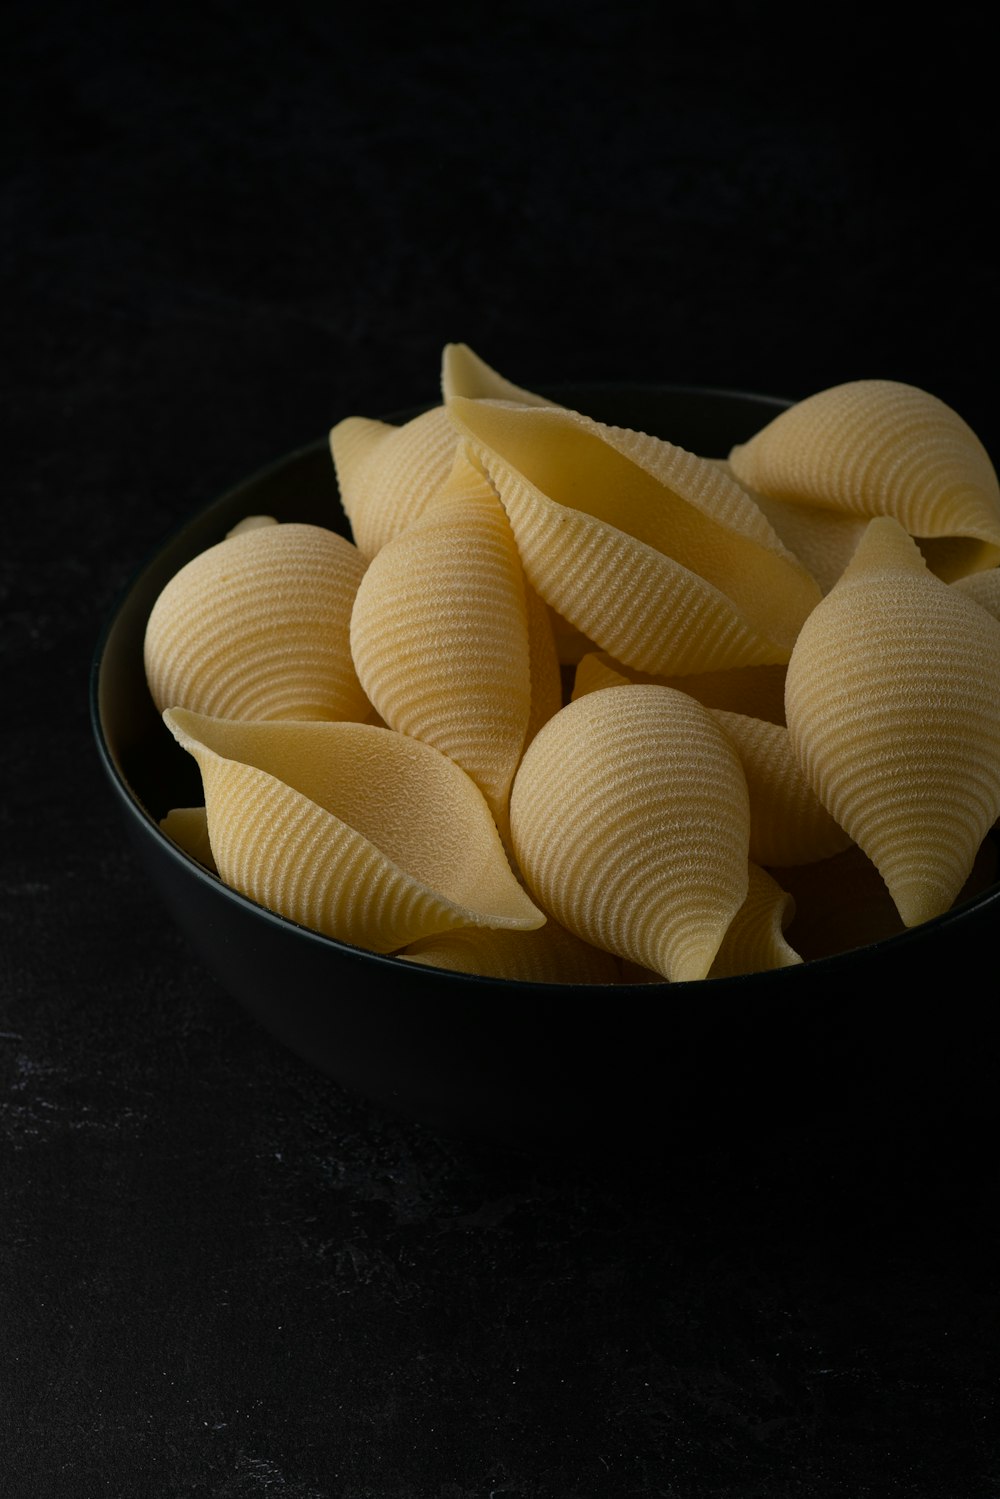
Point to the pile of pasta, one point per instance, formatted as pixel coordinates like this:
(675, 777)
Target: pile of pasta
(577, 705)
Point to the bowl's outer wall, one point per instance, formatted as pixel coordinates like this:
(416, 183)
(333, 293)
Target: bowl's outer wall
(904, 1024)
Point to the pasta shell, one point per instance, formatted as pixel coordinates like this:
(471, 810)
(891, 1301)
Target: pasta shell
(439, 635)
(351, 830)
(188, 828)
(755, 941)
(630, 821)
(788, 822)
(463, 373)
(701, 580)
(258, 626)
(893, 705)
(880, 447)
(843, 902)
(549, 955)
(387, 475)
(984, 587)
(758, 691)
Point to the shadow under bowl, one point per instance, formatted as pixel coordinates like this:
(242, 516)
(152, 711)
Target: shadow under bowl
(899, 1029)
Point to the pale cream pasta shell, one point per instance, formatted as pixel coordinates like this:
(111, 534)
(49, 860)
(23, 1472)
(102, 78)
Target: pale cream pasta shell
(388, 475)
(188, 828)
(548, 955)
(880, 447)
(464, 373)
(755, 941)
(439, 635)
(351, 830)
(984, 588)
(258, 626)
(701, 581)
(892, 700)
(630, 821)
(788, 822)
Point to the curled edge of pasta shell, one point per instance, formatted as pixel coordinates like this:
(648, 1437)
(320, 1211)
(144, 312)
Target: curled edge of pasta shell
(387, 475)
(630, 821)
(893, 708)
(756, 940)
(351, 830)
(465, 373)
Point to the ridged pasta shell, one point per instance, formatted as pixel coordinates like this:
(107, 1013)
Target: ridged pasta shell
(387, 475)
(843, 902)
(788, 822)
(543, 658)
(755, 940)
(893, 705)
(439, 634)
(984, 588)
(758, 691)
(463, 373)
(630, 821)
(549, 955)
(351, 830)
(701, 580)
(879, 447)
(257, 626)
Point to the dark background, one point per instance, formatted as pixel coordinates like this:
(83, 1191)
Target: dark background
(221, 1274)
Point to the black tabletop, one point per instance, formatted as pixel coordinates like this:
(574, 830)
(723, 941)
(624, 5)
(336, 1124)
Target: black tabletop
(221, 1273)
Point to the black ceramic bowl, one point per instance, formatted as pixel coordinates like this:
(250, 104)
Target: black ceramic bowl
(903, 1025)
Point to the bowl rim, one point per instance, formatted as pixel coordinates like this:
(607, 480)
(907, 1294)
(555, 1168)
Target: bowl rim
(829, 965)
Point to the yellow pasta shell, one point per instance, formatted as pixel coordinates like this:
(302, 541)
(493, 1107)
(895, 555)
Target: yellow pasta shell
(464, 373)
(984, 588)
(880, 447)
(892, 698)
(630, 821)
(788, 822)
(439, 635)
(188, 828)
(755, 941)
(387, 475)
(351, 830)
(258, 626)
(701, 580)
(549, 955)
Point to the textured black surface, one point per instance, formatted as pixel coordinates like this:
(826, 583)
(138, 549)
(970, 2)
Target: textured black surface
(219, 1274)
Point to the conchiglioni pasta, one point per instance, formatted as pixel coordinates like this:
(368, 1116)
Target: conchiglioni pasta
(356, 831)
(577, 705)
(258, 626)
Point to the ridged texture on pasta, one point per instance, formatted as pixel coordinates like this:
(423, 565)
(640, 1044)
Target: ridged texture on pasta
(439, 635)
(758, 691)
(463, 373)
(879, 447)
(351, 830)
(843, 902)
(756, 941)
(387, 475)
(630, 821)
(550, 955)
(788, 822)
(984, 588)
(543, 655)
(701, 580)
(893, 705)
(258, 626)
